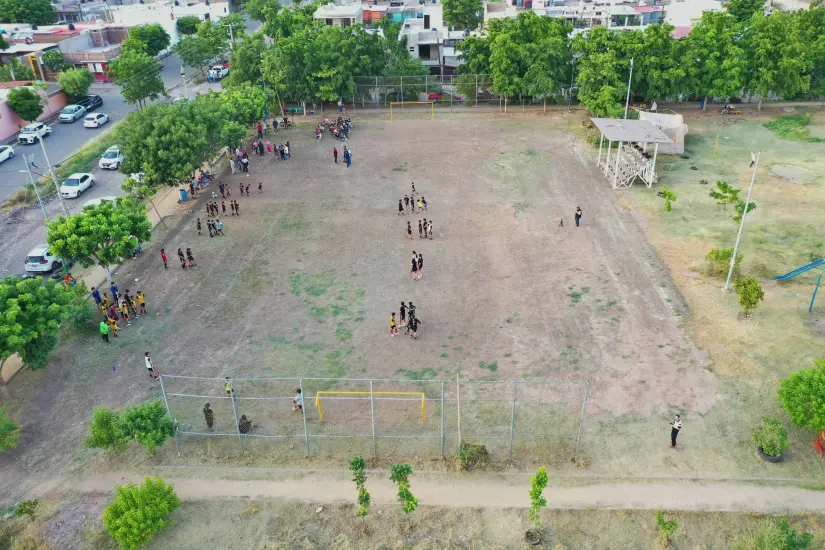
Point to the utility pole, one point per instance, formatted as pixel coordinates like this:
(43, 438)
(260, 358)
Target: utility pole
(742, 221)
(629, 80)
(572, 76)
(31, 179)
(183, 77)
(54, 178)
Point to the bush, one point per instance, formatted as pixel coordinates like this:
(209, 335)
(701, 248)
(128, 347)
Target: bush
(669, 197)
(188, 25)
(667, 528)
(106, 430)
(537, 485)
(802, 395)
(79, 317)
(750, 293)
(400, 475)
(9, 434)
(138, 512)
(27, 508)
(358, 467)
(771, 436)
(718, 262)
(469, 454)
(774, 535)
(149, 424)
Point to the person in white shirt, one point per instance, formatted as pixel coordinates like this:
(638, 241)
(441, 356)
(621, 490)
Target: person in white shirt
(298, 402)
(150, 367)
(676, 425)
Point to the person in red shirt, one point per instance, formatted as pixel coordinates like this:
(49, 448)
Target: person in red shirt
(260, 130)
(163, 257)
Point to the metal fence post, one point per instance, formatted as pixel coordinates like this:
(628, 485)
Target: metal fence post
(177, 443)
(458, 406)
(304, 410)
(581, 418)
(372, 410)
(513, 420)
(165, 400)
(442, 419)
(235, 412)
(426, 86)
(451, 94)
(476, 90)
(401, 96)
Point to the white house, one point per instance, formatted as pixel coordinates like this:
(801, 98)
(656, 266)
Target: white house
(343, 14)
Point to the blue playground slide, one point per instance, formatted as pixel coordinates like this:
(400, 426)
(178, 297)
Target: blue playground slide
(801, 270)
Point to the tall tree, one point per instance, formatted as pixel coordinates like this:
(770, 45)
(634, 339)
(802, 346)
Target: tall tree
(811, 27)
(54, 61)
(15, 70)
(153, 35)
(188, 25)
(104, 235)
(26, 103)
(743, 10)
(463, 14)
(246, 60)
(37, 12)
(777, 59)
(658, 70)
(138, 76)
(31, 311)
(714, 57)
(261, 10)
(76, 83)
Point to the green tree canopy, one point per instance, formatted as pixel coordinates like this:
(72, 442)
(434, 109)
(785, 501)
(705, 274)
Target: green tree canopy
(9, 432)
(31, 311)
(714, 57)
(137, 513)
(743, 10)
(245, 60)
(38, 12)
(261, 10)
(105, 234)
(76, 82)
(138, 76)
(802, 395)
(26, 103)
(153, 35)
(15, 70)
(54, 61)
(188, 25)
(463, 14)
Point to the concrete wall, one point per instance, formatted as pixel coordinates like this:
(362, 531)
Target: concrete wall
(10, 123)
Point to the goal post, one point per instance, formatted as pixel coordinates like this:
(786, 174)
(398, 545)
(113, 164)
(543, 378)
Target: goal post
(319, 395)
(402, 103)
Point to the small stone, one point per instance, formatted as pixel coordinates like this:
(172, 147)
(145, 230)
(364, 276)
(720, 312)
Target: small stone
(319, 510)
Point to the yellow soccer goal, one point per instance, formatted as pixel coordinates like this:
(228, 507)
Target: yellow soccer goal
(403, 103)
(321, 394)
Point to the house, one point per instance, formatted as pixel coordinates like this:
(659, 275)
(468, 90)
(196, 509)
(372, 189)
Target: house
(10, 123)
(428, 38)
(342, 14)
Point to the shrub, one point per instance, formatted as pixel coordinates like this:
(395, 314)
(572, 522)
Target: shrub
(358, 467)
(9, 434)
(802, 395)
(537, 501)
(106, 430)
(138, 512)
(718, 261)
(669, 197)
(771, 436)
(750, 293)
(667, 528)
(189, 24)
(148, 423)
(774, 535)
(27, 508)
(79, 316)
(469, 454)
(400, 474)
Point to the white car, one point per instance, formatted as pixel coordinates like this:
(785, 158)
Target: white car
(70, 113)
(218, 72)
(6, 153)
(31, 133)
(111, 159)
(75, 185)
(40, 259)
(98, 202)
(95, 120)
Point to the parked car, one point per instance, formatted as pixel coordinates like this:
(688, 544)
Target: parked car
(75, 185)
(218, 72)
(6, 153)
(95, 120)
(111, 159)
(40, 259)
(98, 201)
(434, 96)
(31, 133)
(70, 113)
(91, 102)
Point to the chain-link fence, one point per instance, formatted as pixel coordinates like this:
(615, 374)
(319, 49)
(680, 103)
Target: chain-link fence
(374, 417)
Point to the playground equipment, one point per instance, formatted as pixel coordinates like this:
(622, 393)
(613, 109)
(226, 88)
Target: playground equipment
(805, 268)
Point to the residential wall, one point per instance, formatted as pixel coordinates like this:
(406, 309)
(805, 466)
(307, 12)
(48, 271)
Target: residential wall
(10, 123)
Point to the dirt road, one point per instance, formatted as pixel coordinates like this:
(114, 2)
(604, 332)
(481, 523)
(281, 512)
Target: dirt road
(504, 492)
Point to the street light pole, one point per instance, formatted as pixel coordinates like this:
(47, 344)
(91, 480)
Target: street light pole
(570, 89)
(54, 178)
(742, 222)
(629, 80)
(31, 179)
(183, 77)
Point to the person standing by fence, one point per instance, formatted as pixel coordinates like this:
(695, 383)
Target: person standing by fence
(209, 416)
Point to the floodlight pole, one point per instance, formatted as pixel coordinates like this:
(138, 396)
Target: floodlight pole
(742, 223)
(54, 178)
(629, 80)
(34, 184)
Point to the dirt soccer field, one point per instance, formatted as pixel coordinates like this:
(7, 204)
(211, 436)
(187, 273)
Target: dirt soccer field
(303, 284)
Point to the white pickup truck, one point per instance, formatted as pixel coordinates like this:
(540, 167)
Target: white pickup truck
(218, 72)
(31, 133)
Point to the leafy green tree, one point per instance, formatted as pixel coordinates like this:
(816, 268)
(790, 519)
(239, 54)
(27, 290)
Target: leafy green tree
(106, 234)
(286, 22)
(137, 513)
(233, 133)
(538, 483)
(26, 103)
(658, 71)
(776, 56)
(606, 103)
(138, 76)
(9, 431)
(599, 72)
(31, 311)
(54, 61)
(714, 57)
(750, 293)
(147, 423)
(15, 70)
(463, 14)
(106, 430)
(669, 196)
(246, 62)
(196, 51)
(153, 35)
(188, 25)
(37, 12)
(400, 475)
(802, 395)
(262, 10)
(3, 44)
(810, 25)
(743, 10)
(245, 104)
(358, 467)
(718, 260)
(76, 83)
(142, 189)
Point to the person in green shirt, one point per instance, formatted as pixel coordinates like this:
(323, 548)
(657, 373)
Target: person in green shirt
(104, 331)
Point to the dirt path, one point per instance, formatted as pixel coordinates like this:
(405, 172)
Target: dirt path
(501, 492)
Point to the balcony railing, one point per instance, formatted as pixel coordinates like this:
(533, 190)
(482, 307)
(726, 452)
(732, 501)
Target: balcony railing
(94, 56)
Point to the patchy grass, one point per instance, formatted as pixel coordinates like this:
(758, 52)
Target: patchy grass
(576, 297)
(793, 128)
(492, 367)
(423, 374)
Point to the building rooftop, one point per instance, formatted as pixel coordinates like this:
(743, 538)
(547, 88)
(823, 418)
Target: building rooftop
(338, 10)
(16, 49)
